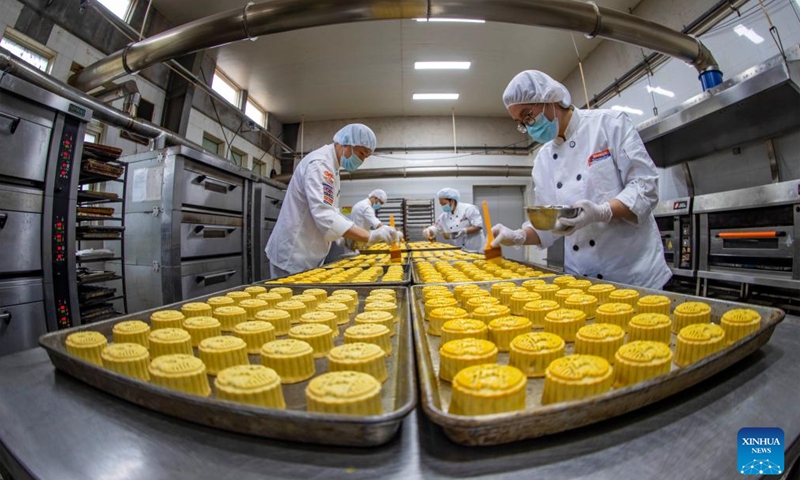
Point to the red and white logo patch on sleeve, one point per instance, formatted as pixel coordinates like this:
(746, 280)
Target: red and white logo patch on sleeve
(599, 156)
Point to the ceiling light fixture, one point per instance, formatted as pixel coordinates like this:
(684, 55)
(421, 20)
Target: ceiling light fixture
(435, 96)
(748, 33)
(660, 91)
(454, 20)
(442, 65)
(632, 111)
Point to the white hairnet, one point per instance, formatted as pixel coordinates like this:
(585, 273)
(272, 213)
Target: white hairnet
(356, 135)
(449, 193)
(379, 194)
(533, 86)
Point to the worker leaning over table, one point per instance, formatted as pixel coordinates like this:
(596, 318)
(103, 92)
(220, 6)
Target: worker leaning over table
(310, 220)
(461, 223)
(363, 212)
(595, 160)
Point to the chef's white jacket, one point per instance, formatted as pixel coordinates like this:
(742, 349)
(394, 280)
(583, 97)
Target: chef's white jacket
(309, 220)
(465, 215)
(363, 215)
(603, 158)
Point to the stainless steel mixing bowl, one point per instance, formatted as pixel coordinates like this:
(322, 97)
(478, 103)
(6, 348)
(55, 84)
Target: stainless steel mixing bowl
(546, 217)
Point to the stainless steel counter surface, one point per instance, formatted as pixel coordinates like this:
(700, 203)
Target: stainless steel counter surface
(54, 427)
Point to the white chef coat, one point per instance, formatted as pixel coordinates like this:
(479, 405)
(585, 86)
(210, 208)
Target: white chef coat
(363, 215)
(309, 220)
(465, 215)
(603, 158)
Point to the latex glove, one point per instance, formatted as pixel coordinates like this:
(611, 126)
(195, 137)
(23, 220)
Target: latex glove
(400, 237)
(385, 235)
(590, 213)
(458, 233)
(505, 236)
(429, 233)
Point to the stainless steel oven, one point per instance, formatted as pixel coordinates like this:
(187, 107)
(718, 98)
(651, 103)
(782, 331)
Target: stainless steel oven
(676, 225)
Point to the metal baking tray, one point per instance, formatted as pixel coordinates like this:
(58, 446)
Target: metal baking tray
(405, 282)
(438, 247)
(537, 420)
(293, 423)
(550, 273)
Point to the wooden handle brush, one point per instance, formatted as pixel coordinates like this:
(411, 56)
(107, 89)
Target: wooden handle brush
(493, 254)
(394, 251)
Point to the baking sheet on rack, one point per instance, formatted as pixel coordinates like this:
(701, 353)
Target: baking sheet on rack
(538, 420)
(377, 284)
(293, 423)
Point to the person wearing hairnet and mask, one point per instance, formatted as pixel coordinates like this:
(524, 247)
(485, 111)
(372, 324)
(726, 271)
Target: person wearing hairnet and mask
(461, 223)
(309, 219)
(363, 213)
(596, 161)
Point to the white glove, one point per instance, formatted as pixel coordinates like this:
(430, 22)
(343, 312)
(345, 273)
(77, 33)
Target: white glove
(458, 233)
(429, 233)
(385, 235)
(590, 213)
(505, 236)
(400, 236)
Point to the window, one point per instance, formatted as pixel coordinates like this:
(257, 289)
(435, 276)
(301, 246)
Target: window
(226, 88)
(94, 132)
(237, 156)
(212, 144)
(259, 168)
(28, 49)
(255, 113)
(120, 8)
(90, 137)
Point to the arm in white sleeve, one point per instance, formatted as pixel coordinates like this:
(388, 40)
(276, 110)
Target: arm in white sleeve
(438, 225)
(328, 219)
(474, 217)
(372, 218)
(637, 170)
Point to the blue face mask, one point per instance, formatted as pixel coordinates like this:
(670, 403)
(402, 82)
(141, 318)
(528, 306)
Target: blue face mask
(543, 130)
(447, 208)
(352, 162)
(376, 206)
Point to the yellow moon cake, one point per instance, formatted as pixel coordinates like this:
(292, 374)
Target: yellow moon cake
(507, 293)
(531, 284)
(564, 293)
(215, 302)
(250, 384)
(294, 308)
(255, 290)
(310, 301)
(536, 311)
(458, 290)
(739, 323)
(318, 335)
(689, 313)
(382, 307)
(131, 331)
(129, 359)
(533, 352)
(439, 302)
(476, 302)
(359, 357)
(488, 313)
(200, 328)
(498, 287)
(579, 284)
(486, 389)
(255, 334)
(502, 330)
(654, 327)
(585, 303)
(279, 319)
(219, 353)
(229, 316)
(441, 315)
(563, 280)
(169, 341)
(350, 301)
(344, 393)
(625, 295)
(518, 301)
(196, 309)
(238, 296)
(376, 297)
(272, 299)
(600, 339)
(292, 359)
(464, 328)
(370, 333)
(253, 306)
(472, 293)
(600, 291)
(181, 372)
(341, 310)
(653, 304)
(619, 314)
(640, 360)
(377, 317)
(458, 354)
(695, 342)
(166, 319)
(576, 376)
(547, 291)
(565, 323)
(325, 318)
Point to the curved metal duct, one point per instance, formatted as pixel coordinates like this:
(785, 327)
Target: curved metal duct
(277, 16)
(427, 172)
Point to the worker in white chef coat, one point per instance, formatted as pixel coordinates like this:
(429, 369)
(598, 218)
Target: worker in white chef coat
(310, 219)
(594, 160)
(461, 223)
(364, 212)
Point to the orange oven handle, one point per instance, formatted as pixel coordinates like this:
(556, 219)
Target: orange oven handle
(767, 234)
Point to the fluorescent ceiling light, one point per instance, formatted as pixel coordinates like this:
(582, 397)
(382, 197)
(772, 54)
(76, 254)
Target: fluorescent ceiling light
(442, 65)
(748, 33)
(660, 91)
(632, 111)
(435, 96)
(454, 20)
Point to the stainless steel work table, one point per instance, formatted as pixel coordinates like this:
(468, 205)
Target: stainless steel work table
(54, 427)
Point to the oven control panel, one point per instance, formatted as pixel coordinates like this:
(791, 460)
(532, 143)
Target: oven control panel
(685, 260)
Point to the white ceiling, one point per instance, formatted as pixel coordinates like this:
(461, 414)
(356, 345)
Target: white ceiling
(367, 69)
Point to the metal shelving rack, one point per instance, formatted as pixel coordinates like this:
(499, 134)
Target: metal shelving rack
(418, 215)
(89, 198)
(396, 207)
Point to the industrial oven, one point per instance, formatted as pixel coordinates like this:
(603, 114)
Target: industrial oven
(749, 235)
(267, 202)
(676, 224)
(41, 135)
